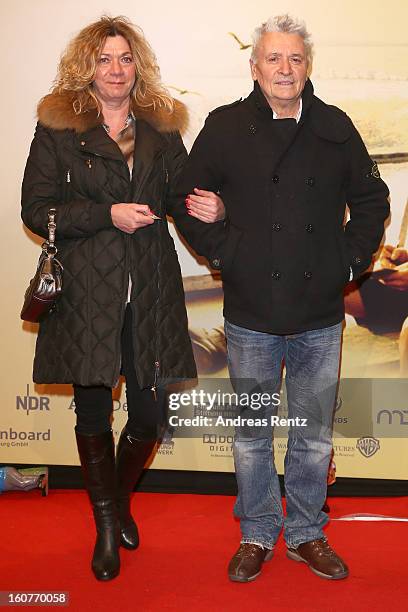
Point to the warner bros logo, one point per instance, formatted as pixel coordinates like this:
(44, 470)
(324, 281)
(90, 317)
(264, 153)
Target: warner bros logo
(368, 446)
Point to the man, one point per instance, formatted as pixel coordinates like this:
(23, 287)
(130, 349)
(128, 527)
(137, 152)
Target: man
(285, 164)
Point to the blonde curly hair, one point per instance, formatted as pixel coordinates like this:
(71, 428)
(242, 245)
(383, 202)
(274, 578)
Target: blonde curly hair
(77, 67)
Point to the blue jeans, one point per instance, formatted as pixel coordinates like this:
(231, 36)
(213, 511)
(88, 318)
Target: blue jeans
(312, 367)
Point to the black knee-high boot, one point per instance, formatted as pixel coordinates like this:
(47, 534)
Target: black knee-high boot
(97, 455)
(132, 453)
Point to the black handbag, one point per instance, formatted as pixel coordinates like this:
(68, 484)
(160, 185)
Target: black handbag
(45, 287)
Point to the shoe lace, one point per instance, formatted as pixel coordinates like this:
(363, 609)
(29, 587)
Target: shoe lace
(248, 550)
(323, 548)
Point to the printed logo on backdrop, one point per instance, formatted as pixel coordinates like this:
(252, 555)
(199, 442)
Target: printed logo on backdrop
(221, 445)
(30, 403)
(280, 446)
(117, 405)
(368, 446)
(12, 437)
(166, 446)
(391, 416)
(218, 445)
(343, 450)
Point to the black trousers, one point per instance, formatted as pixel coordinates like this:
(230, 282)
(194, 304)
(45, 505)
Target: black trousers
(94, 405)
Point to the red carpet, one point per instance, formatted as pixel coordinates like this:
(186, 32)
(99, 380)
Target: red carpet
(187, 541)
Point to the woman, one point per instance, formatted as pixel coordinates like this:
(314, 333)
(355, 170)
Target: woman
(106, 154)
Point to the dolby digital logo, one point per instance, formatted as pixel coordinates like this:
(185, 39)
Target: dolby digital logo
(30, 403)
(218, 445)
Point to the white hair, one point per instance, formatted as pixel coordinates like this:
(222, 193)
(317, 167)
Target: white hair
(287, 25)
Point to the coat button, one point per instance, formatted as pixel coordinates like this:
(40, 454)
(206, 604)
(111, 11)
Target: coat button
(276, 275)
(276, 227)
(252, 128)
(307, 275)
(82, 143)
(275, 179)
(356, 260)
(216, 263)
(309, 228)
(310, 181)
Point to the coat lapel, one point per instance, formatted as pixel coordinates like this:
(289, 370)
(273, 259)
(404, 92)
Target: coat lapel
(269, 138)
(149, 144)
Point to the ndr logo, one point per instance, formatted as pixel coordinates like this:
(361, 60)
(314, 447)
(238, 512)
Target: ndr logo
(32, 402)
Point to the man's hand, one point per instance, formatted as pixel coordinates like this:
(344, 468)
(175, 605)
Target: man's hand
(131, 217)
(206, 206)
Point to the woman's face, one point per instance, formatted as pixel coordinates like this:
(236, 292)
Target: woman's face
(115, 74)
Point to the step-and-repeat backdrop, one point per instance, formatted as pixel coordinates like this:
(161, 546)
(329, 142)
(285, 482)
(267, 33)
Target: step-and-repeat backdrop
(361, 65)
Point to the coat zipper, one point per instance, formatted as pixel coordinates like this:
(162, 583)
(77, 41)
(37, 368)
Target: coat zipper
(156, 375)
(153, 388)
(124, 301)
(127, 239)
(157, 361)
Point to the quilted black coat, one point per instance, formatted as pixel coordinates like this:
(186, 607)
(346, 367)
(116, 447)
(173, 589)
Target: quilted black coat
(75, 167)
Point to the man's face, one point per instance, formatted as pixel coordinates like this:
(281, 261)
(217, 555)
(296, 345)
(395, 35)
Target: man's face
(281, 67)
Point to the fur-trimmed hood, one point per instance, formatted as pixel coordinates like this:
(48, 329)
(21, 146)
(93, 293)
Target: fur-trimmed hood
(56, 111)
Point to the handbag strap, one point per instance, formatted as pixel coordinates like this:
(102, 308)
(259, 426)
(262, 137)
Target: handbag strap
(49, 245)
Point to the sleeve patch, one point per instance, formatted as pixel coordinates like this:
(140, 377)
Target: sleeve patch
(374, 172)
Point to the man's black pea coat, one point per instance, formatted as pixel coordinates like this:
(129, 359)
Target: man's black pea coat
(285, 251)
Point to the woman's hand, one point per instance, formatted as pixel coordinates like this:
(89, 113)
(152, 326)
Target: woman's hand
(131, 217)
(397, 278)
(206, 206)
(393, 256)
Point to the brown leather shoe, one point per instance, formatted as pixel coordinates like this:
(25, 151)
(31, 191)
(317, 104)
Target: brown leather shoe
(246, 564)
(321, 559)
